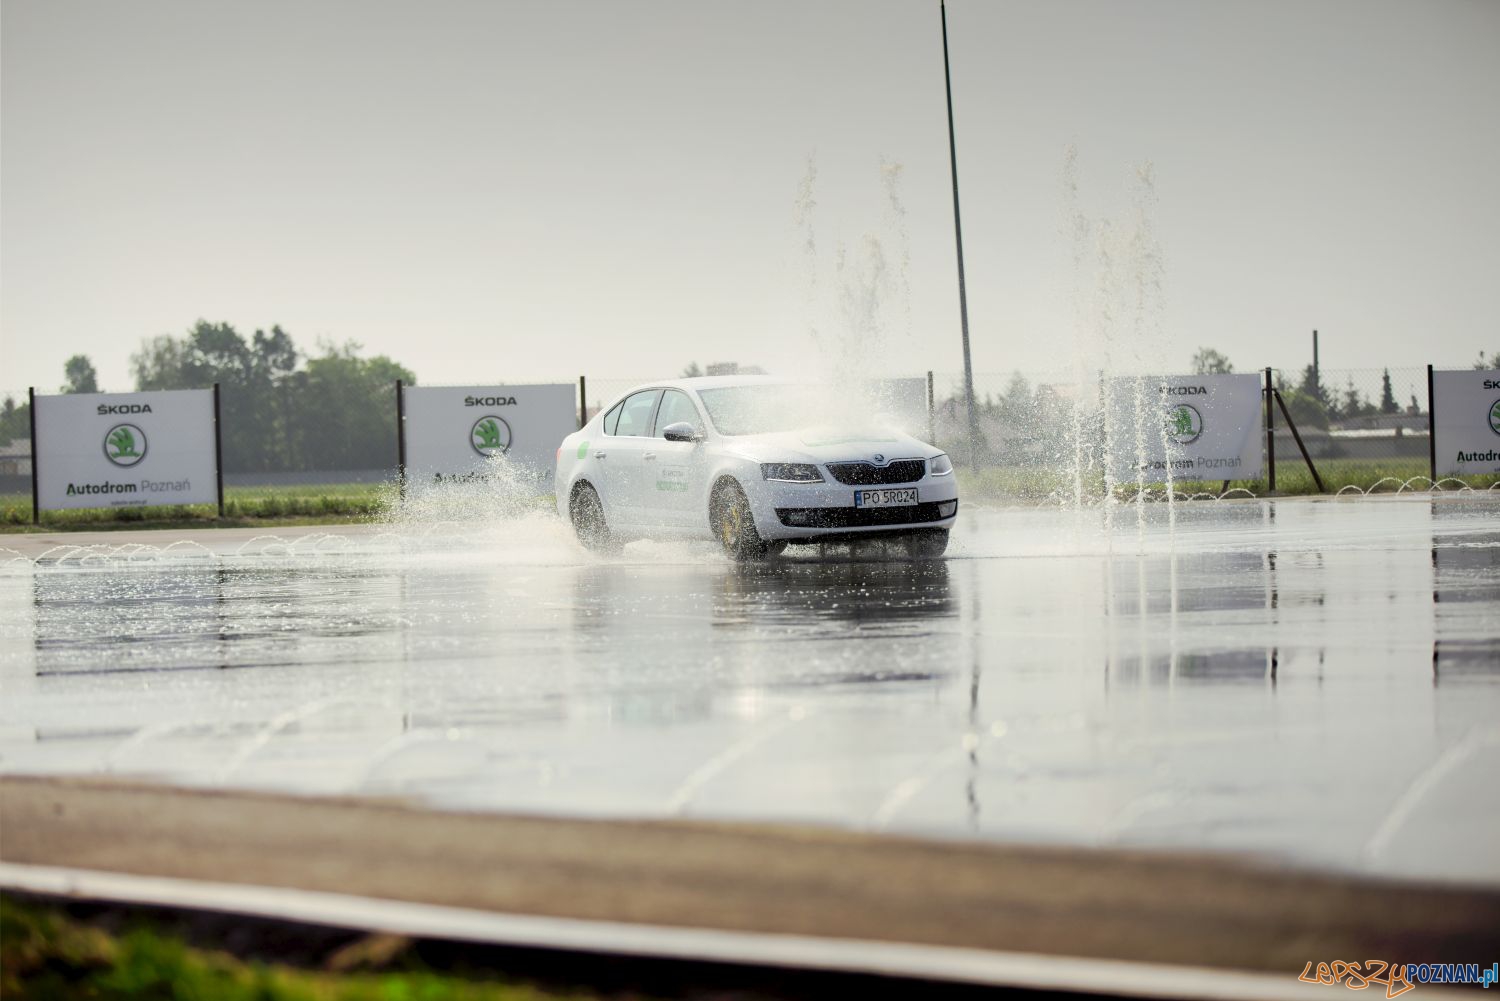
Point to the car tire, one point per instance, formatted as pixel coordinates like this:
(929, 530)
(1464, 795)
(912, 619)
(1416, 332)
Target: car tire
(734, 525)
(927, 545)
(587, 513)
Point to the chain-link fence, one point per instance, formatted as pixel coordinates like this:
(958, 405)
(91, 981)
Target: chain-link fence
(1039, 433)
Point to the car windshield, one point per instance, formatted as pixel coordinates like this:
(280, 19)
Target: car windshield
(758, 409)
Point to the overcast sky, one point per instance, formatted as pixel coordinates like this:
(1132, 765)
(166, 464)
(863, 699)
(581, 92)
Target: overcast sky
(495, 191)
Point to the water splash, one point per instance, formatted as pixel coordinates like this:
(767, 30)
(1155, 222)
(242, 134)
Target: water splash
(857, 293)
(1413, 485)
(1114, 419)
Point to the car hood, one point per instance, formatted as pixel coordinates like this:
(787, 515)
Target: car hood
(830, 445)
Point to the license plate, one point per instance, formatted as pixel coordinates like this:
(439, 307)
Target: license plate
(885, 498)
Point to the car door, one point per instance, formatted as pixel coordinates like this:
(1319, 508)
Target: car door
(620, 457)
(674, 469)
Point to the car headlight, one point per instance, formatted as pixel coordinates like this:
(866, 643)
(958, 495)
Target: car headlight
(940, 465)
(791, 472)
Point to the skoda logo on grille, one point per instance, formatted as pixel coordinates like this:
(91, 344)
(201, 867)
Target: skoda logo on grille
(879, 459)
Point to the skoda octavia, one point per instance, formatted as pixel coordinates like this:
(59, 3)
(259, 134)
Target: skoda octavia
(755, 463)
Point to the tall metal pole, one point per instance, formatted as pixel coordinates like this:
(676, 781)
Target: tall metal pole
(958, 237)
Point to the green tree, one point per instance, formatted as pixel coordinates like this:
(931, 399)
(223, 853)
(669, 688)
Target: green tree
(15, 420)
(1312, 387)
(1016, 404)
(79, 372)
(1353, 404)
(276, 415)
(1306, 410)
(1210, 362)
(344, 414)
(1388, 404)
(247, 373)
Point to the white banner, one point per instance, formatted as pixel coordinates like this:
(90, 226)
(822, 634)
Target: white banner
(453, 431)
(1198, 427)
(1466, 421)
(126, 449)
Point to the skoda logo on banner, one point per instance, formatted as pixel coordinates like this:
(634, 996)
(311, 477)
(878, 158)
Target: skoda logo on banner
(1495, 417)
(490, 435)
(124, 444)
(1184, 424)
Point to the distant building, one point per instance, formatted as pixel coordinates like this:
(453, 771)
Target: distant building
(15, 457)
(733, 368)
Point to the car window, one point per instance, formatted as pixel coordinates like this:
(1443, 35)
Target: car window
(762, 407)
(612, 418)
(635, 413)
(675, 408)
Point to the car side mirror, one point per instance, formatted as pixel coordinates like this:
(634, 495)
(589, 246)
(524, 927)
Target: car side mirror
(681, 431)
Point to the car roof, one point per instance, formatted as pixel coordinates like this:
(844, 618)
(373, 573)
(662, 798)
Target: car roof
(700, 382)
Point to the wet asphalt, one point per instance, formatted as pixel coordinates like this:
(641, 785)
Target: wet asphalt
(1318, 681)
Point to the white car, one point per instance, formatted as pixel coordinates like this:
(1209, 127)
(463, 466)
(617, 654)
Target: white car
(754, 462)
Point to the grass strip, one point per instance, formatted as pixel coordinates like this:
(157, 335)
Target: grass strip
(243, 506)
(45, 954)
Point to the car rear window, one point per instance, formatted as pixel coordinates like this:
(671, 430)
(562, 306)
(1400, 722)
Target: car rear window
(612, 419)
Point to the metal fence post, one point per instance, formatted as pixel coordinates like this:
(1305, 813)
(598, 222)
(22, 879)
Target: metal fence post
(583, 401)
(1270, 437)
(218, 452)
(36, 509)
(1297, 437)
(400, 440)
(1431, 430)
(931, 412)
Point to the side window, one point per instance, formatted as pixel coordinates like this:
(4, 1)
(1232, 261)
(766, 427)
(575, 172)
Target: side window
(635, 414)
(675, 408)
(612, 419)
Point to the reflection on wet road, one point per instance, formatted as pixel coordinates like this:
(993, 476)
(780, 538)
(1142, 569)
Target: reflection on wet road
(1314, 680)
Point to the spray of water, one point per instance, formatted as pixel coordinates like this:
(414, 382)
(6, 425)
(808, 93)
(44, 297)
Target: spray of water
(1117, 418)
(858, 306)
(804, 209)
(504, 508)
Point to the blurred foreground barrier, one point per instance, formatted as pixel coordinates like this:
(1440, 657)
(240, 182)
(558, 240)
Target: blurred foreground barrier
(1195, 910)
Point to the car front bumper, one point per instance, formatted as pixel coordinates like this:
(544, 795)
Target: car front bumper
(792, 511)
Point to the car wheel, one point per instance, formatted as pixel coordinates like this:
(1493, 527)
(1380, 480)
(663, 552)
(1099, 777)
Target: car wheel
(729, 513)
(927, 545)
(587, 513)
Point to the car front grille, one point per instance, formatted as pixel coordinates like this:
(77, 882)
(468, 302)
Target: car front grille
(861, 474)
(860, 517)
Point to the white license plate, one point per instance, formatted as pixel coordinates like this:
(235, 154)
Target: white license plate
(885, 498)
